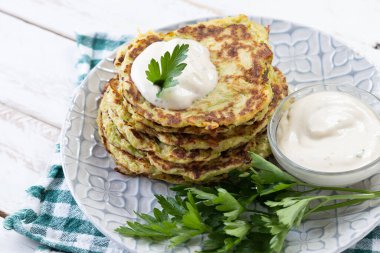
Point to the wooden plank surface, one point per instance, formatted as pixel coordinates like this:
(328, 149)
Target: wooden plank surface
(26, 148)
(114, 16)
(36, 70)
(36, 80)
(357, 20)
(354, 22)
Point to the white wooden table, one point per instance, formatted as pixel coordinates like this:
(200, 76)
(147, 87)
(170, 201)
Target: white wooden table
(38, 53)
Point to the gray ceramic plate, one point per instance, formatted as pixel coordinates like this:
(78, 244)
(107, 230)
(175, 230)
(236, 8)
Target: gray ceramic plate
(108, 199)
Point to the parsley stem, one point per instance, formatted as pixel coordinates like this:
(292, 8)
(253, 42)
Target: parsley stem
(351, 199)
(363, 196)
(315, 208)
(338, 205)
(357, 196)
(341, 189)
(255, 211)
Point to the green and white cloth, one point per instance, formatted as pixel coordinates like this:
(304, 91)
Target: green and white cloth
(57, 222)
(54, 219)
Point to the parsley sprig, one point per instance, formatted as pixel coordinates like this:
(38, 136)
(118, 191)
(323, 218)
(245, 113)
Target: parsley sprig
(179, 220)
(171, 66)
(226, 213)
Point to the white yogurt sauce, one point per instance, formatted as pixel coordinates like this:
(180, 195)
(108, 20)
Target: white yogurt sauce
(197, 79)
(329, 131)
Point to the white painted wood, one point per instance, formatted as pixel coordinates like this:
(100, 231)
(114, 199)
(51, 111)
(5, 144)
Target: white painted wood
(114, 16)
(353, 21)
(16, 177)
(11, 242)
(36, 70)
(26, 147)
(356, 23)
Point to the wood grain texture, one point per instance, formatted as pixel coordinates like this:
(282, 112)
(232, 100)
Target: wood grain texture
(11, 242)
(114, 16)
(354, 22)
(26, 148)
(16, 177)
(125, 16)
(36, 70)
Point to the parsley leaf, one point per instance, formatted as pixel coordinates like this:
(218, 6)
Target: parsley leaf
(171, 67)
(269, 173)
(215, 241)
(191, 218)
(185, 223)
(293, 210)
(157, 227)
(270, 179)
(255, 243)
(223, 200)
(237, 228)
(172, 206)
(228, 204)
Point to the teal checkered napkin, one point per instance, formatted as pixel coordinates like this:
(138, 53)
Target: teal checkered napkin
(95, 47)
(369, 244)
(56, 222)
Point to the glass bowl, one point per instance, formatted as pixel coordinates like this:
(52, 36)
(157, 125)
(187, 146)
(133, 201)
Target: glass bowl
(322, 178)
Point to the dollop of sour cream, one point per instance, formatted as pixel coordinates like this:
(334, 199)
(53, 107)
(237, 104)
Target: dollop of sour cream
(329, 131)
(197, 79)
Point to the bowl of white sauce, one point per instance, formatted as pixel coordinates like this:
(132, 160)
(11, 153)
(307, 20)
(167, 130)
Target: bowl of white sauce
(327, 135)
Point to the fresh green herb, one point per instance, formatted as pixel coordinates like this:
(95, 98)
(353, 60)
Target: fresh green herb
(183, 224)
(171, 67)
(228, 215)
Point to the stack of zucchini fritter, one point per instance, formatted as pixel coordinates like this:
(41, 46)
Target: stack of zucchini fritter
(210, 138)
